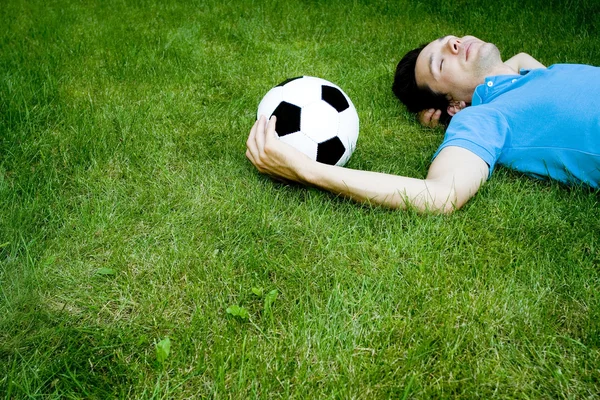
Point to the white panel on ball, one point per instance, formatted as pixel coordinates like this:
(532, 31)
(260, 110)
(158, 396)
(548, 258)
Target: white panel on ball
(319, 121)
(302, 91)
(349, 124)
(270, 102)
(301, 142)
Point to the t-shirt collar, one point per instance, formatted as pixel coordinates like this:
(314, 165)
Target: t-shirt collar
(494, 85)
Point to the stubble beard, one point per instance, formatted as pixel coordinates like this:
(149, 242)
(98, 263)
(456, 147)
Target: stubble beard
(489, 58)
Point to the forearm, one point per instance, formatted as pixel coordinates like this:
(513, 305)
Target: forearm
(453, 178)
(383, 189)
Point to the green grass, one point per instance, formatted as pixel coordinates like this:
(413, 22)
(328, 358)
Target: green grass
(130, 213)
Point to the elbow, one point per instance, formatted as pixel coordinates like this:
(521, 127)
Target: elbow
(446, 208)
(450, 209)
(453, 201)
(446, 201)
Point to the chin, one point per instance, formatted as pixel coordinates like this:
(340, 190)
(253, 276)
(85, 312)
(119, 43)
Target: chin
(489, 56)
(489, 50)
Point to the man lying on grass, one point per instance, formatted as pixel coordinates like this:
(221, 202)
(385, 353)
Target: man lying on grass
(544, 122)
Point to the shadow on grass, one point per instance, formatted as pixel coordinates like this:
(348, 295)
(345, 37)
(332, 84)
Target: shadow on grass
(47, 353)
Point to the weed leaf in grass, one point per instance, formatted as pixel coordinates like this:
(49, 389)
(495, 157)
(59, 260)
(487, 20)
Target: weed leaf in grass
(269, 300)
(258, 291)
(48, 261)
(105, 271)
(163, 349)
(237, 311)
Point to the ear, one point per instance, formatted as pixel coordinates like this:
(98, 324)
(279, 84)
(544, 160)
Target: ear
(455, 106)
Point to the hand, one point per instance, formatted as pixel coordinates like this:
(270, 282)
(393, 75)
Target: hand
(430, 118)
(270, 155)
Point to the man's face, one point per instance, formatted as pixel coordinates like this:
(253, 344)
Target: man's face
(455, 66)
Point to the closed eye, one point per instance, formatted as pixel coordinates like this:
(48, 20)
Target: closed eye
(441, 64)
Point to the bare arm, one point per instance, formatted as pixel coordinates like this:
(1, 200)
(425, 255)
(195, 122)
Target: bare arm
(454, 177)
(523, 61)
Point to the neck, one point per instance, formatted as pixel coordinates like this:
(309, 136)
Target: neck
(467, 93)
(502, 69)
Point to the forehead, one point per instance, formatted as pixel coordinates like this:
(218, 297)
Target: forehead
(423, 74)
(428, 50)
(422, 67)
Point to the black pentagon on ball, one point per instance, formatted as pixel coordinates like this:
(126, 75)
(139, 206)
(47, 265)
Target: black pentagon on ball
(334, 97)
(330, 151)
(288, 118)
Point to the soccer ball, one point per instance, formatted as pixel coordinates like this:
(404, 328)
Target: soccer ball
(314, 116)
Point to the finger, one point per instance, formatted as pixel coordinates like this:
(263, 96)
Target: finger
(260, 134)
(251, 137)
(270, 133)
(251, 149)
(250, 157)
(427, 115)
(254, 160)
(435, 119)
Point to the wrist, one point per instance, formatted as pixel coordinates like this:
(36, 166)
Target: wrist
(307, 171)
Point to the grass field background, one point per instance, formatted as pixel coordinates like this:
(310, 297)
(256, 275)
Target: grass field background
(129, 213)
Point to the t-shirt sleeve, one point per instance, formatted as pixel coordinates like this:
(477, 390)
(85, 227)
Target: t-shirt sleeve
(479, 129)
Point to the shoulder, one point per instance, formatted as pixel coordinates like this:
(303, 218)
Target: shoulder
(484, 116)
(482, 129)
(578, 69)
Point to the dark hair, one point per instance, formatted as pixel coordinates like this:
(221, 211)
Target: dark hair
(417, 98)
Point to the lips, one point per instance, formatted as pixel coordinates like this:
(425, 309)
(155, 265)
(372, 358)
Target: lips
(467, 51)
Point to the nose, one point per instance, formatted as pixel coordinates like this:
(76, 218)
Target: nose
(453, 45)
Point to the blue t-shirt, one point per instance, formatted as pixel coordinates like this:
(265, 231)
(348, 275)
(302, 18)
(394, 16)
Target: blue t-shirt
(545, 124)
